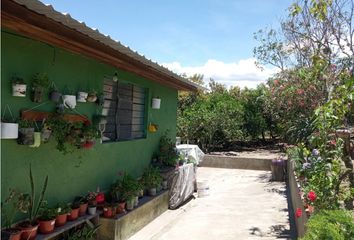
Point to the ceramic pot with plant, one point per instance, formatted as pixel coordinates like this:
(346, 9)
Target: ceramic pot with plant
(54, 94)
(152, 179)
(12, 205)
(81, 96)
(30, 226)
(121, 207)
(25, 132)
(91, 198)
(9, 127)
(74, 213)
(40, 83)
(62, 214)
(130, 203)
(92, 96)
(92, 209)
(136, 201)
(109, 210)
(90, 133)
(46, 132)
(83, 205)
(47, 216)
(18, 87)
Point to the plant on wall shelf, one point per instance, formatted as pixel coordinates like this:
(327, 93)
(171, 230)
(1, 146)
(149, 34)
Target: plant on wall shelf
(61, 130)
(40, 82)
(18, 87)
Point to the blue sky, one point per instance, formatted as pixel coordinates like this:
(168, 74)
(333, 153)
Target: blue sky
(213, 37)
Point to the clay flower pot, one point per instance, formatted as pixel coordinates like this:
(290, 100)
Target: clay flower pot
(11, 233)
(74, 214)
(83, 209)
(108, 212)
(121, 207)
(46, 227)
(60, 220)
(29, 232)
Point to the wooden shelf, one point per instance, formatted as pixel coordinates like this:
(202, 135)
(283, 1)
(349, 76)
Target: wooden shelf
(39, 116)
(71, 224)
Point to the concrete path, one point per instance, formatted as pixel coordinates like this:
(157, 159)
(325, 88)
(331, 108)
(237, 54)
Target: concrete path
(243, 204)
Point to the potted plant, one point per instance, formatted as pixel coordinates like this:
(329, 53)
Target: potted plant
(54, 94)
(164, 184)
(61, 130)
(83, 204)
(152, 179)
(25, 132)
(92, 96)
(47, 216)
(46, 132)
(18, 87)
(69, 99)
(130, 202)
(13, 204)
(109, 210)
(81, 96)
(40, 82)
(29, 227)
(92, 203)
(9, 128)
(74, 213)
(89, 135)
(62, 214)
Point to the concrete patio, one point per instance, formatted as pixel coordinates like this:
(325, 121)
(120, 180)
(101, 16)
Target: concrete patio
(243, 204)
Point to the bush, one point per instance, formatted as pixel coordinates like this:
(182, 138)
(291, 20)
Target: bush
(330, 224)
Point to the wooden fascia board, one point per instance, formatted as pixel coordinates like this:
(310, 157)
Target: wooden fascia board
(41, 28)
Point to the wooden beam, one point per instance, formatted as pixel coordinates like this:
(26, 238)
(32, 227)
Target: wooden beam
(31, 24)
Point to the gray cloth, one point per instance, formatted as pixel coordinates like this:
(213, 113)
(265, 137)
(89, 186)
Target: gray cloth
(182, 186)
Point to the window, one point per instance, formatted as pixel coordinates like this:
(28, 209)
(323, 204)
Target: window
(124, 107)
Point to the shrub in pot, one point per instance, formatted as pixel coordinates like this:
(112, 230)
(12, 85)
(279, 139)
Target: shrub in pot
(40, 82)
(62, 214)
(29, 227)
(47, 216)
(18, 87)
(152, 179)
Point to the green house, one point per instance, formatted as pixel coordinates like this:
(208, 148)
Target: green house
(37, 39)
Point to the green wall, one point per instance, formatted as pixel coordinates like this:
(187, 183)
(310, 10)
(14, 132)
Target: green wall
(72, 174)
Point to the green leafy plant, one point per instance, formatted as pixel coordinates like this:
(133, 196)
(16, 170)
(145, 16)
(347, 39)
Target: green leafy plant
(167, 154)
(330, 224)
(16, 202)
(33, 206)
(125, 188)
(40, 80)
(47, 213)
(63, 208)
(83, 233)
(151, 177)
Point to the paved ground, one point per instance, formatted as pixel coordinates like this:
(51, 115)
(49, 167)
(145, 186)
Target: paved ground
(243, 204)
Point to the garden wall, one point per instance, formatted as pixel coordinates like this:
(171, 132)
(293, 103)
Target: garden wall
(84, 170)
(296, 200)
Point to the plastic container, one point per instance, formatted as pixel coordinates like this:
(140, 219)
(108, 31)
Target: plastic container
(203, 188)
(278, 169)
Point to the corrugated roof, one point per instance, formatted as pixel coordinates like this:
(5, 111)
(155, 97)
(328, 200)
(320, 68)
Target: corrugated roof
(68, 21)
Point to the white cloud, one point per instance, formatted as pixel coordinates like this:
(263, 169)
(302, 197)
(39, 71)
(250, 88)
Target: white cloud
(243, 73)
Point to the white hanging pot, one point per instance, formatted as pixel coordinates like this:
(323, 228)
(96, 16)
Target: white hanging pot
(81, 96)
(19, 90)
(9, 130)
(156, 102)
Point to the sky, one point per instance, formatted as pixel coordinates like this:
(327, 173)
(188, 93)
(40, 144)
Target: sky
(210, 37)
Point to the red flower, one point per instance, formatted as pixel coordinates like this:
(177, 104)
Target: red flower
(311, 196)
(333, 142)
(276, 81)
(300, 91)
(298, 212)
